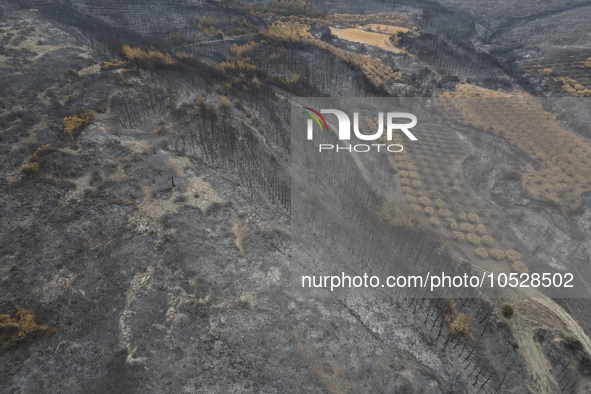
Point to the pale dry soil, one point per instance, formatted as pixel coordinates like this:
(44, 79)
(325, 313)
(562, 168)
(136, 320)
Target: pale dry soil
(379, 40)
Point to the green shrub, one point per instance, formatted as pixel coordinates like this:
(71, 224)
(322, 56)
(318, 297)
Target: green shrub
(508, 311)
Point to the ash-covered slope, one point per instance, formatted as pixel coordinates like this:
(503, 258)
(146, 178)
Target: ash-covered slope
(159, 244)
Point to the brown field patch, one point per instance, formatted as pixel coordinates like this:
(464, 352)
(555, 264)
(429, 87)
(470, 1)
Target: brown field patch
(379, 40)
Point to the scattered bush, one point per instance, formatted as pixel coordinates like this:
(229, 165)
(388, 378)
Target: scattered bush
(512, 255)
(18, 329)
(520, 268)
(444, 232)
(243, 50)
(100, 109)
(481, 252)
(461, 325)
(473, 239)
(487, 240)
(43, 151)
(458, 235)
(224, 105)
(407, 190)
(113, 64)
(458, 323)
(186, 57)
(409, 198)
(456, 189)
(463, 216)
(415, 208)
(248, 115)
(452, 223)
(508, 311)
(31, 169)
(147, 59)
(291, 7)
(175, 37)
(467, 227)
(73, 125)
(472, 217)
(480, 229)
(444, 213)
(497, 254)
(219, 35)
(434, 221)
(405, 165)
(439, 203)
(416, 183)
(404, 181)
(424, 201)
(406, 218)
(429, 211)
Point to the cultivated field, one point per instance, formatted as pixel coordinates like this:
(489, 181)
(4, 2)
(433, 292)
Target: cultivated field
(379, 40)
(564, 157)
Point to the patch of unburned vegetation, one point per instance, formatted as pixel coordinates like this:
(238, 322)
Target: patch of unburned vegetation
(20, 328)
(384, 29)
(388, 19)
(73, 125)
(375, 70)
